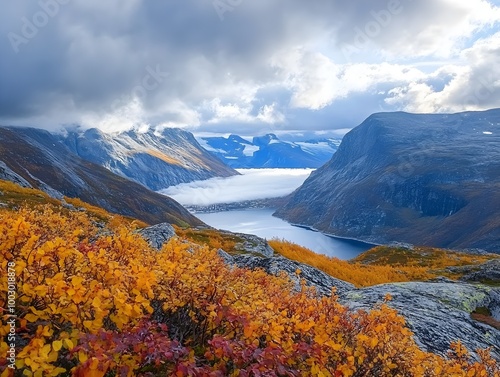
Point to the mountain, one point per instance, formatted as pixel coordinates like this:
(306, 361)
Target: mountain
(422, 179)
(37, 158)
(269, 151)
(154, 159)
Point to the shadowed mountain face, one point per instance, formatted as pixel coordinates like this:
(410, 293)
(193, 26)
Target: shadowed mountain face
(157, 160)
(42, 160)
(423, 179)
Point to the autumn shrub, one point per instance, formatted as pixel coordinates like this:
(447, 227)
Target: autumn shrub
(377, 266)
(100, 302)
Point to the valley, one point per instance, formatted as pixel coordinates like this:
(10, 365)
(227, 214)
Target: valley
(258, 193)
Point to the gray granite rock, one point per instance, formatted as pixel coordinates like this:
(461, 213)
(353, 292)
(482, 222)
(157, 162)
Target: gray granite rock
(313, 277)
(250, 244)
(158, 234)
(486, 272)
(437, 312)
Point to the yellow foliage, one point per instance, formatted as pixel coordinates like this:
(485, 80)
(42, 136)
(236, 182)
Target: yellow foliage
(96, 302)
(371, 268)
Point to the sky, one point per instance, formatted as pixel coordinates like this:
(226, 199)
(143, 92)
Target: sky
(243, 66)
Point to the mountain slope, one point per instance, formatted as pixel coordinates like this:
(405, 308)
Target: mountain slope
(39, 158)
(157, 160)
(424, 179)
(269, 151)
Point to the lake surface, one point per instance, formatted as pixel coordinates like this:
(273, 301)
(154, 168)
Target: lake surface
(261, 223)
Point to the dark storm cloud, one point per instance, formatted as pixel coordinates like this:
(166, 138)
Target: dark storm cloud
(63, 60)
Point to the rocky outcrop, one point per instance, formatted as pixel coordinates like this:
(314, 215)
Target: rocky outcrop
(158, 234)
(437, 312)
(249, 244)
(312, 276)
(422, 179)
(488, 272)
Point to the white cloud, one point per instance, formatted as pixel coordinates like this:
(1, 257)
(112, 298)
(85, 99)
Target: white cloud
(252, 184)
(472, 85)
(316, 81)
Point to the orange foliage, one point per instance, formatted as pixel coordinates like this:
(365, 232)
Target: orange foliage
(380, 270)
(356, 273)
(96, 302)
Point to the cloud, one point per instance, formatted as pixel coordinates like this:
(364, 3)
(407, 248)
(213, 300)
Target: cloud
(472, 85)
(252, 184)
(262, 66)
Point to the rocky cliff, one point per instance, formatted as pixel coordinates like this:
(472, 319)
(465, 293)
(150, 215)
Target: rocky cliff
(423, 179)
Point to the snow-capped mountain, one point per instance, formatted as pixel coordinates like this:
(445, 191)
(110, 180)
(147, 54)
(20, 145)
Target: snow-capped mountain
(269, 151)
(155, 159)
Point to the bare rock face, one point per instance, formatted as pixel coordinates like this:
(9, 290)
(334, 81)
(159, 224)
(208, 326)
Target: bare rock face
(438, 313)
(8, 175)
(422, 179)
(313, 277)
(158, 234)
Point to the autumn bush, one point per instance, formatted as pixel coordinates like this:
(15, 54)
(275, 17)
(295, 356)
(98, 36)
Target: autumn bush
(379, 265)
(96, 301)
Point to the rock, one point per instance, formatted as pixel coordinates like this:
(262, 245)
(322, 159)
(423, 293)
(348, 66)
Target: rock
(250, 244)
(423, 179)
(488, 272)
(8, 174)
(438, 313)
(313, 277)
(228, 259)
(157, 235)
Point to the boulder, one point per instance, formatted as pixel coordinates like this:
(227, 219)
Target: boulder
(437, 312)
(158, 234)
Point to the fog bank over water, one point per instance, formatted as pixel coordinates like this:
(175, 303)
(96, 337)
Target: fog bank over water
(252, 184)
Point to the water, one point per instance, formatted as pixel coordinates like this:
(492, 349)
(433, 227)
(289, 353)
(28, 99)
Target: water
(261, 223)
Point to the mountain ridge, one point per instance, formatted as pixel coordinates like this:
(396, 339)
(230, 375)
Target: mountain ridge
(155, 159)
(39, 158)
(428, 179)
(268, 151)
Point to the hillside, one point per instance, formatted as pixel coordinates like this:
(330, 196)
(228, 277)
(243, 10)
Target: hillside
(97, 300)
(422, 179)
(37, 158)
(269, 151)
(154, 159)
